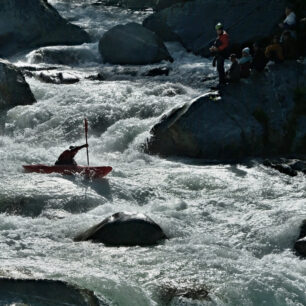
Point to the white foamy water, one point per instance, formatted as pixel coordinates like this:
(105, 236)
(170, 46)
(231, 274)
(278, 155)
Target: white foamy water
(231, 228)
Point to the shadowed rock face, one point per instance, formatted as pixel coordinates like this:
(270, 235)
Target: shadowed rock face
(124, 229)
(193, 24)
(14, 90)
(44, 292)
(254, 118)
(132, 44)
(29, 24)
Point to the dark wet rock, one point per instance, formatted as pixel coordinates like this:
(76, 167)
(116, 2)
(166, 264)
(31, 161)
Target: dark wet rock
(44, 292)
(299, 165)
(96, 77)
(30, 24)
(132, 44)
(14, 90)
(300, 138)
(303, 230)
(124, 229)
(254, 118)
(130, 4)
(193, 23)
(57, 78)
(282, 168)
(158, 71)
(300, 247)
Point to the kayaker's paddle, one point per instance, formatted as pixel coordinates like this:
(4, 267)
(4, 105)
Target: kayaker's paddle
(86, 131)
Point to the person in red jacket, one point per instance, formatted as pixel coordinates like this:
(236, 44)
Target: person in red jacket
(220, 48)
(67, 157)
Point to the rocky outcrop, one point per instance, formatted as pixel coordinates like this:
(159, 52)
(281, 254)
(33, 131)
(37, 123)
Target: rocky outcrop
(300, 245)
(254, 118)
(193, 24)
(43, 292)
(30, 24)
(124, 229)
(132, 44)
(286, 166)
(14, 90)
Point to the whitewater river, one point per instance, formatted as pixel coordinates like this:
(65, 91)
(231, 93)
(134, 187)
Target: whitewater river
(231, 228)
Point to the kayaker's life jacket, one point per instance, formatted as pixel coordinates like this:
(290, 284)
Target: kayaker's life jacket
(222, 43)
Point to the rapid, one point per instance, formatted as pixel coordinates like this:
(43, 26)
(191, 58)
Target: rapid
(231, 227)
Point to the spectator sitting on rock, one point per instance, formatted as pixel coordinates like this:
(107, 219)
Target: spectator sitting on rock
(274, 52)
(233, 73)
(259, 60)
(289, 45)
(245, 63)
(289, 23)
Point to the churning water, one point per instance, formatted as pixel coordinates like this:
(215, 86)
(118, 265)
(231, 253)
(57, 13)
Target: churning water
(231, 228)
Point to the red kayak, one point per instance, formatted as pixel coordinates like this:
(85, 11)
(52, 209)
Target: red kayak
(91, 172)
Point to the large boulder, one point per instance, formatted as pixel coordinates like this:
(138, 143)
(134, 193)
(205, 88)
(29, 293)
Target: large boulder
(132, 44)
(30, 24)
(43, 292)
(124, 229)
(14, 90)
(256, 117)
(193, 24)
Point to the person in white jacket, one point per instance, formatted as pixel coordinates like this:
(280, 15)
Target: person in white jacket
(289, 24)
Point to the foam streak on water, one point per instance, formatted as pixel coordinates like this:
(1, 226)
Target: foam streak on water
(231, 228)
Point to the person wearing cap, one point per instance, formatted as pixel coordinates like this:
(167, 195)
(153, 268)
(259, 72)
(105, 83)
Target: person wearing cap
(245, 63)
(220, 49)
(67, 157)
(233, 73)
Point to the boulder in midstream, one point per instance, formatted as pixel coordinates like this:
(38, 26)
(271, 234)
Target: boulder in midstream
(124, 229)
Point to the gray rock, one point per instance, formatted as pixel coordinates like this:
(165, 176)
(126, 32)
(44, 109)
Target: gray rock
(193, 24)
(132, 44)
(14, 90)
(44, 292)
(249, 119)
(124, 229)
(30, 24)
(130, 4)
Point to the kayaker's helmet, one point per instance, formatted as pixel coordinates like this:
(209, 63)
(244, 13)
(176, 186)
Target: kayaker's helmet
(219, 26)
(246, 51)
(71, 147)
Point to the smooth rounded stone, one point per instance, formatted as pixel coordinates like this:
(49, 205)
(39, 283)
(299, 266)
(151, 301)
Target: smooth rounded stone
(30, 24)
(44, 292)
(300, 247)
(248, 119)
(193, 23)
(132, 44)
(14, 90)
(125, 229)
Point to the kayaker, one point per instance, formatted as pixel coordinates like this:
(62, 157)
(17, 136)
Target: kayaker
(220, 50)
(67, 157)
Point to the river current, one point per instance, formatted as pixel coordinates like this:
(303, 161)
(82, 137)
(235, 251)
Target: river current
(231, 227)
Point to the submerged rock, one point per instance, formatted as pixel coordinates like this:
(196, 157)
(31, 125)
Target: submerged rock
(157, 71)
(132, 44)
(44, 292)
(124, 229)
(300, 247)
(30, 24)
(14, 90)
(193, 23)
(281, 167)
(254, 118)
(57, 78)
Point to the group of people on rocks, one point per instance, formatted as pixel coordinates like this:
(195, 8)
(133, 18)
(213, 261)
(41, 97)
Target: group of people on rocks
(282, 47)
